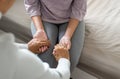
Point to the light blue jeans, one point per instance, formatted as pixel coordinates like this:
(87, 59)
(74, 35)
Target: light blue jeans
(54, 33)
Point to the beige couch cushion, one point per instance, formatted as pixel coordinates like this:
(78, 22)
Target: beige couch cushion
(102, 41)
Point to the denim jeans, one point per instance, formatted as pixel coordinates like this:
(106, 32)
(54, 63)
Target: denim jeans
(55, 33)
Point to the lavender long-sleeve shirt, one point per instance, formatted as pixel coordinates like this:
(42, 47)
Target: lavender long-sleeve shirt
(56, 11)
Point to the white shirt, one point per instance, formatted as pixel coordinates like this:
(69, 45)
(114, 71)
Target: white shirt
(18, 63)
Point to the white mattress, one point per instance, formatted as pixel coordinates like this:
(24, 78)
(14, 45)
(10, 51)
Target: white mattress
(102, 41)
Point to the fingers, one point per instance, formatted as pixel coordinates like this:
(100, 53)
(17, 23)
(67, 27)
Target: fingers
(58, 46)
(59, 49)
(43, 48)
(60, 52)
(40, 50)
(62, 43)
(38, 46)
(56, 55)
(66, 45)
(54, 51)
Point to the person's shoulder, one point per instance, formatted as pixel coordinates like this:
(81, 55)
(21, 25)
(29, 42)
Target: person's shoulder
(7, 43)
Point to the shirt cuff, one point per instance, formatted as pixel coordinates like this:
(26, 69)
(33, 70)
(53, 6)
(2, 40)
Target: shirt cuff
(36, 13)
(64, 67)
(77, 17)
(64, 61)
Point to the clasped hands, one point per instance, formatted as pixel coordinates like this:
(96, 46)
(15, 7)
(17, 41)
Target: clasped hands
(40, 44)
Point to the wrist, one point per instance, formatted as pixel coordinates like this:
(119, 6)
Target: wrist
(63, 58)
(67, 36)
(40, 30)
(39, 33)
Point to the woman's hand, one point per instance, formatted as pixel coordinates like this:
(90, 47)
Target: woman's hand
(41, 35)
(72, 25)
(65, 41)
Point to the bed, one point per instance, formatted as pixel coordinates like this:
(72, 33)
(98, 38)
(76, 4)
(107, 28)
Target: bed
(101, 53)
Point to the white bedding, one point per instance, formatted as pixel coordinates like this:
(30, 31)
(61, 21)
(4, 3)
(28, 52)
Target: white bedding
(102, 41)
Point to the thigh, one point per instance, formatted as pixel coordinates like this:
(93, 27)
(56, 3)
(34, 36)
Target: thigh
(52, 33)
(77, 42)
(50, 29)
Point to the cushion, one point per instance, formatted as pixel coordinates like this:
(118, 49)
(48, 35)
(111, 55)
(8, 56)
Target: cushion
(102, 38)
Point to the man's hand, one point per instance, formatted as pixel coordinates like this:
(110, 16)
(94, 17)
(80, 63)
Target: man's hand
(60, 52)
(41, 35)
(34, 45)
(65, 41)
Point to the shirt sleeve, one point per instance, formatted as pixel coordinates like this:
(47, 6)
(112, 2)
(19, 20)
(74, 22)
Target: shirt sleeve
(32, 7)
(31, 67)
(78, 9)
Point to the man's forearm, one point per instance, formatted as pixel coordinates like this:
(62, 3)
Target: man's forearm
(73, 23)
(37, 22)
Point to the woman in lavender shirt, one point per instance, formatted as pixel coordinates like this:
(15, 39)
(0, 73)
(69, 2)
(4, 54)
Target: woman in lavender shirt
(60, 21)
